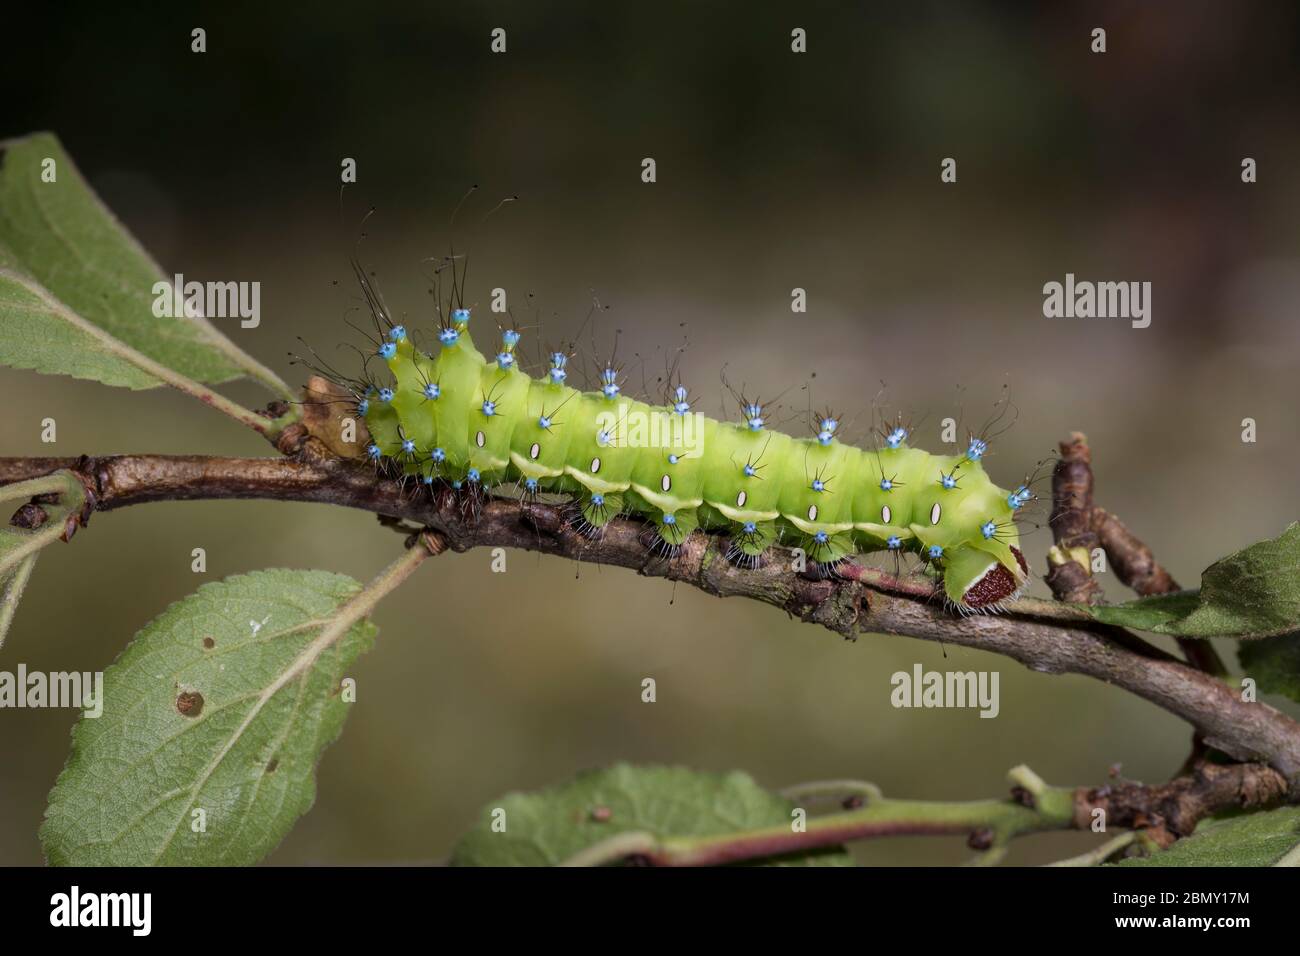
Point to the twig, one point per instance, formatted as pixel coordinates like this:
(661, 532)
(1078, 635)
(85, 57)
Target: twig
(1079, 526)
(1069, 573)
(989, 825)
(1046, 637)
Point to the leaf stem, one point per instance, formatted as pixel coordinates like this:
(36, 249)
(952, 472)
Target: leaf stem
(12, 594)
(1101, 854)
(71, 500)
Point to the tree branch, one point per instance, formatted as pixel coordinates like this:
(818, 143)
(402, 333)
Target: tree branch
(1045, 636)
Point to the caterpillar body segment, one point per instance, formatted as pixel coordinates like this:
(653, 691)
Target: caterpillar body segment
(467, 418)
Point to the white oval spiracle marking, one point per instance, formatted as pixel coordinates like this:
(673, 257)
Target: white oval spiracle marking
(935, 512)
(886, 515)
(480, 439)
(534, 451)
(595, 465)
(812, 512)
(666, 484)
(741, 499)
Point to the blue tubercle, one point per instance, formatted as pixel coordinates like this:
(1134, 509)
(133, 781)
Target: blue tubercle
(670, 519)
(432, 390)
(753, 413)
(505, 361)
(373, 452)
(544, 423)
(988, 529)
(460, 316)
(387, 351)
(818, 485)
(609, 383)
(821, 537)
(948, 481)
(893, 542)
(978, 448)
(749, 471)
(680, 405)
(397, 333)
(749, 527)
(886, 484)
(896, 438)
(936, 551)
(448, 337)
(598, 500)
(385, 395)
(472, 474)
(437, 456)
(363, 407)
(408, 446)
(558, 374)
(489, 407)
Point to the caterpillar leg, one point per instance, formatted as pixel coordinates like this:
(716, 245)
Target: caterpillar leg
(826, 550)
(748, 541)
(668, 529)
(592, 513)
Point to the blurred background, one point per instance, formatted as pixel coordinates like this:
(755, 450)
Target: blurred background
(775, 170)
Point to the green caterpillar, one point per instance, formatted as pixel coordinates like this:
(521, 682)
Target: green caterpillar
(471, 421)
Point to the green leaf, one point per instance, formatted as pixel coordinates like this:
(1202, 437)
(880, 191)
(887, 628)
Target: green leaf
(1274, 663)
(222, 704)
(1250, 594)
(1252, 839)
(40, 333)
(549, 826)
(62, 255)
(1148, 613)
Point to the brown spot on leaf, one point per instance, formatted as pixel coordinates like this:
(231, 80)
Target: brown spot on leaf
(189, 703)
(209, 643)
(275, 762)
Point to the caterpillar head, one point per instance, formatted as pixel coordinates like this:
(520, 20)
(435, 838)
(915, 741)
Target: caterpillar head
(969, 533)
(976, 580)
